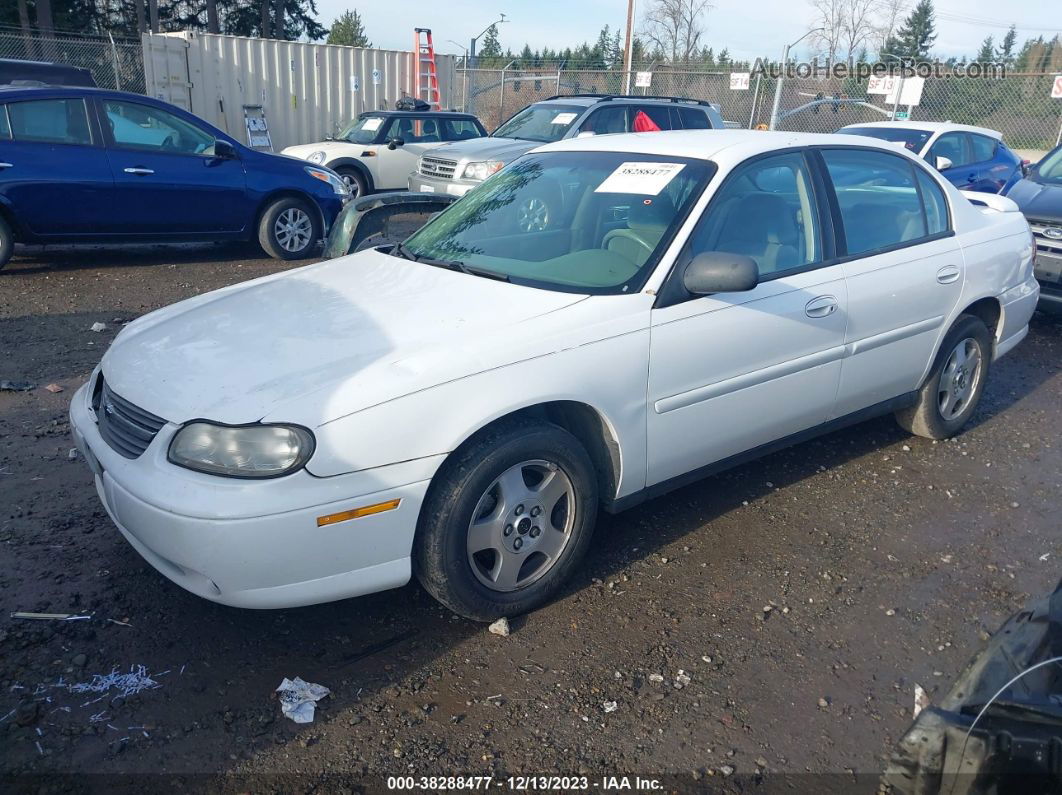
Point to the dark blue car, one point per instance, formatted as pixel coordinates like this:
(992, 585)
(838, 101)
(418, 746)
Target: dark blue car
(970, 158)
(90, 165)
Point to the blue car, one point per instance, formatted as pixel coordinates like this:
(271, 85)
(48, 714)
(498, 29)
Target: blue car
(970, 158)
(87, 165)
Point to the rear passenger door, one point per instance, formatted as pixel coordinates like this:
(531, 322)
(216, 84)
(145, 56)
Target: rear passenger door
(988, 172)
(54, 171)
(903, 267)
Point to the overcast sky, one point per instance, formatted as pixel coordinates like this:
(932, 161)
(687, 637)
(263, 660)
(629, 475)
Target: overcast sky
(563, 23)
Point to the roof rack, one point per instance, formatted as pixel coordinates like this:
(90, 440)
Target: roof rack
(607, 97)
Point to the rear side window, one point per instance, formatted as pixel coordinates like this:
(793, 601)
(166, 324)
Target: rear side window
(56, 121)
(879, 200)
(5, 126)
(606, 120)
(935, 203)
(650, 118)
(982, 147)
(691, 119)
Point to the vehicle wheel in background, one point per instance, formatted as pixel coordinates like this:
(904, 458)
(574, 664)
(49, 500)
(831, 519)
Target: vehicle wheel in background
(289, 229)
(7, 241)
(355, 181)
(950, 394)
(506, 520)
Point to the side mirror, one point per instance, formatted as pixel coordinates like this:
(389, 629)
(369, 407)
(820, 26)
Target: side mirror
(223, 150)
(394, 143)
(720, 272)
(942, 162)
(586, 134)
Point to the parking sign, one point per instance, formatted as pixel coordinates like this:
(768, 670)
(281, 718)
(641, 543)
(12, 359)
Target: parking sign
(1056, 88)
(739, 81)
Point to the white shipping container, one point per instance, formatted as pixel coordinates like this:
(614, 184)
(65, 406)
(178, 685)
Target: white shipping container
(308, 90)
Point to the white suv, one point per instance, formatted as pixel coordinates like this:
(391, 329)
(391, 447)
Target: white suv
(460, 405)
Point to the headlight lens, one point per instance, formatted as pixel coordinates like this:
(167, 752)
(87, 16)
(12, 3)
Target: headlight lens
(482, 170)
(316, 157)
(337, 183)
(247, 451)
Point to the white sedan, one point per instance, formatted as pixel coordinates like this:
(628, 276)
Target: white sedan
(460, 406)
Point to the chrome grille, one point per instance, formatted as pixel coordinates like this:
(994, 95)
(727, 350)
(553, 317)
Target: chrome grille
(437, 167)
(127, 428)
(1047, 243)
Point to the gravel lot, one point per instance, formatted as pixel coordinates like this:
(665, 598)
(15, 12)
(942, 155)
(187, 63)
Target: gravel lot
(775, 618)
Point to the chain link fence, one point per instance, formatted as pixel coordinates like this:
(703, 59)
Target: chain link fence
(114, 63)
(1018, 105)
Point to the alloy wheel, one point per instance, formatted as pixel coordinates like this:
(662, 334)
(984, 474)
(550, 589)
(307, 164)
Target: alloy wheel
(293, 229)
(959, 379)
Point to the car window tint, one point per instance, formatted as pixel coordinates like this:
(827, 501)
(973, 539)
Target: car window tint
(879, 203)
(949, 145)
(605, 121)
(649, 118)
(136, 126)
(426, 131)
(935, 203)
(982, 147)
(60, 121)
(691, 119)
(459, 129)
(5, 126)
(765, 210)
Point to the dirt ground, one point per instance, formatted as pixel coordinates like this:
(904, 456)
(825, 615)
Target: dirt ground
(771, 620)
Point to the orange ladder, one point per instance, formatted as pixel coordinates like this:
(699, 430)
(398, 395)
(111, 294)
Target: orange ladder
(426, 86)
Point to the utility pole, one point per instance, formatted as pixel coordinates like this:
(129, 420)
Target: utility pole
(153, 13)
(266, 7)
(141, 16)
(628, 48)
(781, 77)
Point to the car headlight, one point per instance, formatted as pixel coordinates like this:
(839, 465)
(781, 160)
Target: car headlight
(244, 451)
(482, 170)
(336, 181)
(316, 157)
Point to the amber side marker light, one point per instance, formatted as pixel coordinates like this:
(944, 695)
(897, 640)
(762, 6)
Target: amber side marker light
(357, 513)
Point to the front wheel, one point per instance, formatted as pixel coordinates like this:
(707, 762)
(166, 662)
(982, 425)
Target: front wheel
(950, 394)
(7, 241)
(289, 229)
(506, 521)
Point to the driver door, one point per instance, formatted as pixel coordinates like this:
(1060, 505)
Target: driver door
(418, 134)
(165, 180)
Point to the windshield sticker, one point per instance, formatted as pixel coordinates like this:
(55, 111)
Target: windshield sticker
(644, 178)
(564, 118)
(372, 125)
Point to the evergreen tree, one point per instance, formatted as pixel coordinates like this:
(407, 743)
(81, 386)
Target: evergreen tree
(1005, 54)
(491, 47)
(348, 30)
(916, 35)
(987, 52)
(724, 57)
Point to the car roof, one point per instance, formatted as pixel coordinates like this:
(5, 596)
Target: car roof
(930, 126)
(444, 113)
(710, 144)
(587, 100)
(25, 92)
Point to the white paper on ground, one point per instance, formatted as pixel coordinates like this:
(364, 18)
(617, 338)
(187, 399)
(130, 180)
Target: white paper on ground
(297, 698)
(643, 178)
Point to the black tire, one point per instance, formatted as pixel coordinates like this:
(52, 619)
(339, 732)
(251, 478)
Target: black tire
(441, 558)
(355, 181)
(271, 239)
(926, 417)
(7, 241)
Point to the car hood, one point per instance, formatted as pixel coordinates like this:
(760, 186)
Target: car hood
(1038, 200)
(332, 149)
(475, 149)
(319, 342)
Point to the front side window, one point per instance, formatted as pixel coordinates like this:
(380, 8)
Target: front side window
(135, 126)
(982, 147)
(414, 130)
(543, 122)
(951, 146)
(912, 140)
(363, 130)
(459, 129)
(58, 121)
(590, 222)
(764, 210)
(879, 202)
(1049, 169)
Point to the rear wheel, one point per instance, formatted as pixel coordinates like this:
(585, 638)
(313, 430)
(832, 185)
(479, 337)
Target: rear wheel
(950, 394)
(355, 181)
(507, 521)
(289, 229)
(7, 241)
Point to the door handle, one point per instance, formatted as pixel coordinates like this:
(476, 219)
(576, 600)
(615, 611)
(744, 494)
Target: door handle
(140, 172)
(823, 306)
(948, 274)
(6, 165)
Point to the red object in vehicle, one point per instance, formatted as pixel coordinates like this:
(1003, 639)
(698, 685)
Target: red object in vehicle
(642, 123)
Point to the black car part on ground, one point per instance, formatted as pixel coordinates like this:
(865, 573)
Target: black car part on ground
(16, 72)
(999, 729)
(382, 218)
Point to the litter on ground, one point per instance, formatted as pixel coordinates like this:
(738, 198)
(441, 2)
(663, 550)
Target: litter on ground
(298, 698)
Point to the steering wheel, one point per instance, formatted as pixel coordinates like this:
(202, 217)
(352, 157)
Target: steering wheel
(168, 144)
(627, 234)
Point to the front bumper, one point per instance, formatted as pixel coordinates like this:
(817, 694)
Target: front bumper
(418, 183)
(251, 543)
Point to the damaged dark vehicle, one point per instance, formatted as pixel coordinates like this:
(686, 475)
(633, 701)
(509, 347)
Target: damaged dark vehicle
(382, 219)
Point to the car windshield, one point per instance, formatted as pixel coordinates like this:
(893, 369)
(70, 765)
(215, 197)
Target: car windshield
(362, 130)
(587, 222)
(1050, 168)
(542, 122)
(913, 140)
